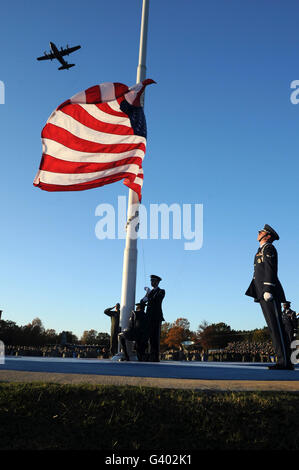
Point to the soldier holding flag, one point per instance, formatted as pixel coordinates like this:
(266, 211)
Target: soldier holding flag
(137, 331)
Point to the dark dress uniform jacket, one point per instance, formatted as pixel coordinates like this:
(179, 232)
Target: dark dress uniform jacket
(114, 315)
(138, 326)
(154, 305)
(265, 275)
(289, 317)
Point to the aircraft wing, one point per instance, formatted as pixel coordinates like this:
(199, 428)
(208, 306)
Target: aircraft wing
(69, 50)
(46, 57)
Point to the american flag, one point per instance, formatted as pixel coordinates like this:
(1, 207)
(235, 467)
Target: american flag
(95, 138)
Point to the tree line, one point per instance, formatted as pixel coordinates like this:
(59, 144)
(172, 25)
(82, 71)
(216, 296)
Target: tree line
(34, 334)
(207, 336)
(173, 335)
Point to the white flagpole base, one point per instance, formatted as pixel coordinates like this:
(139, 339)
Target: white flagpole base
(120, 357)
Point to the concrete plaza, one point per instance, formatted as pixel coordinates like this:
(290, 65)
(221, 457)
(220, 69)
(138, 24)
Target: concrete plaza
(167, 374)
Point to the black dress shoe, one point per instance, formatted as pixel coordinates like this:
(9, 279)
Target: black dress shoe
(281, 367)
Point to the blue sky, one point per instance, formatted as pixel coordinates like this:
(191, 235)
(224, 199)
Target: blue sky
(222, 132)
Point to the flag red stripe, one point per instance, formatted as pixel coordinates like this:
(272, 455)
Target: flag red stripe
(93, 94)
(65, 103)
(128, 181)
(81, 115)
(120, 89)
(133, 186)
(49, 163)
(66, 138)
(106, 109)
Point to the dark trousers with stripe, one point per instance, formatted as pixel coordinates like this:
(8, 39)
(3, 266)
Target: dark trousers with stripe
(289, 331)
(114, 343)
(154, 340)
(281, 344)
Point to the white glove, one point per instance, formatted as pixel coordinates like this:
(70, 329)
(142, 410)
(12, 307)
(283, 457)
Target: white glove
(147, 290)
(267, 296)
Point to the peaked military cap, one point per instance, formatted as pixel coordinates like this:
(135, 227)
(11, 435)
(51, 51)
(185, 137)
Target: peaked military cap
(271, 231)
(287, 302)
(153, 276)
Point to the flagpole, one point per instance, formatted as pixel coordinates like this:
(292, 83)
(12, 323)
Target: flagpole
(128, 291)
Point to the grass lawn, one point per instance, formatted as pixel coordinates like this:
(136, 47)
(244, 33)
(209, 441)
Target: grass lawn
(51, 417)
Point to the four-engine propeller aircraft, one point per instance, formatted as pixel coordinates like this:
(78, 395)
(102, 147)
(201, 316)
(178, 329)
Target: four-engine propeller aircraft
(58, 54)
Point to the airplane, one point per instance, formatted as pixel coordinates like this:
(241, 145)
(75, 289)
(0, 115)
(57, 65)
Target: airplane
(58, 54)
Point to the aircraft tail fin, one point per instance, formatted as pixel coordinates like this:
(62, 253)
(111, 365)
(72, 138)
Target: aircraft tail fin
(66, 67)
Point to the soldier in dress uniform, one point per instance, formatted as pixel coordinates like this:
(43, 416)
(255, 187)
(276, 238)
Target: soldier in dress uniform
(114, 315)
(289, 319)
(266, 289)
(154, 312)
(137, 331)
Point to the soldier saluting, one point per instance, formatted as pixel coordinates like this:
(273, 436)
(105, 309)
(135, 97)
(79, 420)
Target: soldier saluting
(114, 315)
(266, 289)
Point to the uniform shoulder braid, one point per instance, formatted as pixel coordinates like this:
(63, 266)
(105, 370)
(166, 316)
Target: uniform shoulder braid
(269, 249)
